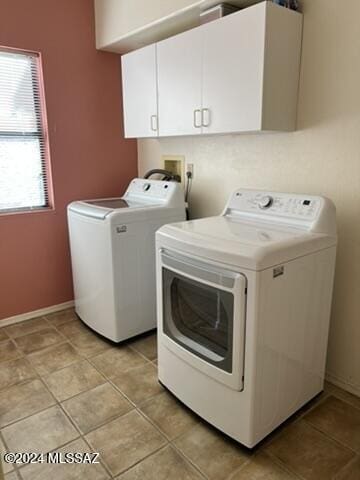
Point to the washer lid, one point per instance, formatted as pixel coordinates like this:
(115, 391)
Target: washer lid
(102, 207)
(110, 203)
(243, 243)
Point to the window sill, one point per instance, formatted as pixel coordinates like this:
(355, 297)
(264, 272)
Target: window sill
(31, 211)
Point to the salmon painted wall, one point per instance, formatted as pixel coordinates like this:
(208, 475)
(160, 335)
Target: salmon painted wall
(89, 156)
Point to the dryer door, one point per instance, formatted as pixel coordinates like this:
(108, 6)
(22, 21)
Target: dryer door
(203, 314)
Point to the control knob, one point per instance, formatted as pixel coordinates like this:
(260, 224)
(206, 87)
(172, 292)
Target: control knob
(265, 202)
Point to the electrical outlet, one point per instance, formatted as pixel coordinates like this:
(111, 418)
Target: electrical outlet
(190, 169)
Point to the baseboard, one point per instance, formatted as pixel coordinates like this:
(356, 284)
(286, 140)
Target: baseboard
(349, 387)
(36, 313)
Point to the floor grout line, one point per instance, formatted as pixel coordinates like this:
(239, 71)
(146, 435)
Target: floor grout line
(188, 460)
(14, 465)
(81, 436)
(285, 467)
(338, 475)
(292, 420)
(102, 461)
(116, 475)
(297, 420)
(102, 424)
(149, 420)
(21, 323)
(279, 462)
(141, 354)
(79, 393)
(168, 440)
(331, 438)
(107, 380)
(27, 416)
(171, 441)
(343, 398)
(137, 407)
(57, 403)
(21, 382)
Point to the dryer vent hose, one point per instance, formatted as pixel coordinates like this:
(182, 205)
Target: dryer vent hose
(167, 176)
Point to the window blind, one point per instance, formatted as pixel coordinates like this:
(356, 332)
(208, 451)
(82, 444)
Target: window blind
(23, 169)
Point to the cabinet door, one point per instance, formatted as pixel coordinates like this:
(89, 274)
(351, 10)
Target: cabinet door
(233, 72)
(179, 62)
(140, 93)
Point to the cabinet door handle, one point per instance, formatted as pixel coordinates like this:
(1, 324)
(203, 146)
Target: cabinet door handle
(205, 114)
(153, 123)
(196, 123)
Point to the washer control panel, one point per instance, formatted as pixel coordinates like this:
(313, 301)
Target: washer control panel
(150, 189)
(266, 201)
(305, 207)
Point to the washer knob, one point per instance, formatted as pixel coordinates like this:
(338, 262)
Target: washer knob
(265, 202)
(146, 187)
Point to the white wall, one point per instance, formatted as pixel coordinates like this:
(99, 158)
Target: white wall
(126, 25)
(322, 157)
(116, 18)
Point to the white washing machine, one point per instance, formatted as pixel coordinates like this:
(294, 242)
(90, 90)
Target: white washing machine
(244, 304)
(112, 245)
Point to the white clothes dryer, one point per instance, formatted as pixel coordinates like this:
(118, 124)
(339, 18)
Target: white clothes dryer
(112, 244)
(244, 305)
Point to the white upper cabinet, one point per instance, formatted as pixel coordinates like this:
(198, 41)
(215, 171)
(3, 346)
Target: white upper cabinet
(282, 53)
(179, 61)
(236, 74)
(251, 68)
(140, 93)
(233, 60)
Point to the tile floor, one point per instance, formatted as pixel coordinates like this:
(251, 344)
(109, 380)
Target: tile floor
(63, 388)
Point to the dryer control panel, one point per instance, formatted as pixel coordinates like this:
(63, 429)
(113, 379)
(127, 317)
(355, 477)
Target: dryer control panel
(311, 212)
(293, 206)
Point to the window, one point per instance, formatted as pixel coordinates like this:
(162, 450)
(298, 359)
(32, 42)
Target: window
(23, 166)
